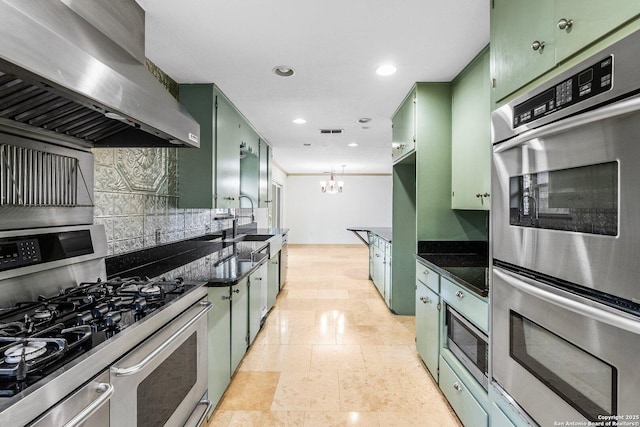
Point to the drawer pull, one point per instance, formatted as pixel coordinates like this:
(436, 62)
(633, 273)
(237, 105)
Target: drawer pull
(236, 291)
(425, 272)
(457, 386)
(460, 294)
(537, 46)
(565, 24)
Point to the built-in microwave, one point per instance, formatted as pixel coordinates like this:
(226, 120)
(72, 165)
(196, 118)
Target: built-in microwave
(469, 345)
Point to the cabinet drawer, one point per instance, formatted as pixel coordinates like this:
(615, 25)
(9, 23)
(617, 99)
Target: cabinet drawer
(428, 277)
(466, 302)
(460, 398)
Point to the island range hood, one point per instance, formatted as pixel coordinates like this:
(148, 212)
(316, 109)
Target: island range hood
(76, 69)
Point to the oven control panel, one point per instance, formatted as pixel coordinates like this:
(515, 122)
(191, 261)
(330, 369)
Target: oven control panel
(586, 84)
(19, 253)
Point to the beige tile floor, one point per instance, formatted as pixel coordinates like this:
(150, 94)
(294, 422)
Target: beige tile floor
(332, 354)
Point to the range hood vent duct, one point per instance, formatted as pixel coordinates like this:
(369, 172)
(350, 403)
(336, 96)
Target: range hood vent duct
(60, 74)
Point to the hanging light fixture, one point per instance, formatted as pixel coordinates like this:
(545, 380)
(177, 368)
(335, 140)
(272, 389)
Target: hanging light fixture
(332, 186)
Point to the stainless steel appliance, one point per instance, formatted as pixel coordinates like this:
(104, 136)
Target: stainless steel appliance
(565, 297)
(42, 184)
(76, 69)
(284, 260)
(77, 348)
(469, 344)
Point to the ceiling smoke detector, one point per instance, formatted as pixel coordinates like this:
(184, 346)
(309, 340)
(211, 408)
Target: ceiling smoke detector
(364, 120)
(283, 71)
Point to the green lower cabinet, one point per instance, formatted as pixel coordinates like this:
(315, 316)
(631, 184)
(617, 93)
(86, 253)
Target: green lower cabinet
(378, 270)
(273, 284)
(239, 322)
(428, 327)
(257, 280)
(219, 337)
(458, 389)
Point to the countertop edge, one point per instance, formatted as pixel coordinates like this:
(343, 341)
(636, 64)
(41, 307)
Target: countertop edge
(479, 292)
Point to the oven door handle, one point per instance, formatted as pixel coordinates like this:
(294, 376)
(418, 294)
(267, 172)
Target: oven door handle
(106, 391)
(132, 370)
(583, 307)
(608, 111)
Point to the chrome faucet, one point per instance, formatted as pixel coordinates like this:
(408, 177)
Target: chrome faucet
(250, 201)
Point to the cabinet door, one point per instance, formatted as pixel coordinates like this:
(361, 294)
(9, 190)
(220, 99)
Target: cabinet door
(589, 20)
(239, 322)
(227, 154)
(264, 198)
(387, 278)
(471, 139)
(378, 268)
(404, 127)
(219, 330)
(257, 281)
(470, 412)
(428, 327)
(515, 26)
(274, 280)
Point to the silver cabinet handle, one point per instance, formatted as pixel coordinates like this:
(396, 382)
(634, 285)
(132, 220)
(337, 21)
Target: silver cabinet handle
(422, 299)
(565, 24)
(460, 294)
(236, 291)
(257, 278)
(478, 195)
(537, 45)
(486, 195)
(457, 386)
(425, 272)
(105, 391)
(226, 298)
(131, 370)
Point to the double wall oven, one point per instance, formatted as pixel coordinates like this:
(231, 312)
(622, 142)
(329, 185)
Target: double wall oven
(565, 209)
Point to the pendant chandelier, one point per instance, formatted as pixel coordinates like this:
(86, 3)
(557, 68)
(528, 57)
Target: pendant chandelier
(332, 186)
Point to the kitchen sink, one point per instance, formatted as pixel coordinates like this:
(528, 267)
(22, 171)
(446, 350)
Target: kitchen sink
(257, 237)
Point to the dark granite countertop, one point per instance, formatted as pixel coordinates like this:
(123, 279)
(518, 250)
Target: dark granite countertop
(384, 232)
(465, 262)
(203, 259)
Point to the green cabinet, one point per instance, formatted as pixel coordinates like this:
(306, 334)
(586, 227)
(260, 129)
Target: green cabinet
(470, 136)
(458, 391)
(531, 38)
(404, 128)
(387, 274)
(273, 284)
(219, 342)
(469, 304)
(380, 265)
(264, 155)
(239, 322)
(227, 163)
(428, 327)
(257, 280)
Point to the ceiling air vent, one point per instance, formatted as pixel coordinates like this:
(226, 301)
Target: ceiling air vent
(331, 131)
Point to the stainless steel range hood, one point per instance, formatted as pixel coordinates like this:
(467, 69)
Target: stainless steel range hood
(59, 73)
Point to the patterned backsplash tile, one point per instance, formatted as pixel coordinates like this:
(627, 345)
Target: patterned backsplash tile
(136, 199)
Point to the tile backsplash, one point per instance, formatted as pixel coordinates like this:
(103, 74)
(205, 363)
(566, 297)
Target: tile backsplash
(136, 198)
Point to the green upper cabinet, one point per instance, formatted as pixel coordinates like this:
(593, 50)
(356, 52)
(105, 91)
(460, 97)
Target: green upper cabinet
(404, 128)
(228, 139)
(530, 38)
(197, 168)
(227, 163)
(580, 22)
(470, 136)
(516, 25)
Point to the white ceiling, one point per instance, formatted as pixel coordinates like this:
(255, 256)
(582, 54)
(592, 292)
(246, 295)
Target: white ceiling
(334, 46)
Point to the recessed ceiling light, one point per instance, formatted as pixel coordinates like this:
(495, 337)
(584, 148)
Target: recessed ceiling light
(283, 71)
(353, 144)
(306, 144)
(364, 120)
(299, 121)
(385, 70)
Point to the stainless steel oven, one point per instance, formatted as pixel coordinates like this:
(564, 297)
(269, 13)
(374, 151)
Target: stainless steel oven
(565, 299)
(560, 356)
(157, 383)
(469, 344)
(565, 183)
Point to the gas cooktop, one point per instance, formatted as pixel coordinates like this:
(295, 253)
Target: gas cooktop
(38, 337)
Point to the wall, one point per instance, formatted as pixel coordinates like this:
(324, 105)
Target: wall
(135, 197)
(314, 217)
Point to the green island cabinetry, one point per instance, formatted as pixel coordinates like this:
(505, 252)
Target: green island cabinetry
(470, 136)
(228, 162)
(529, 38)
